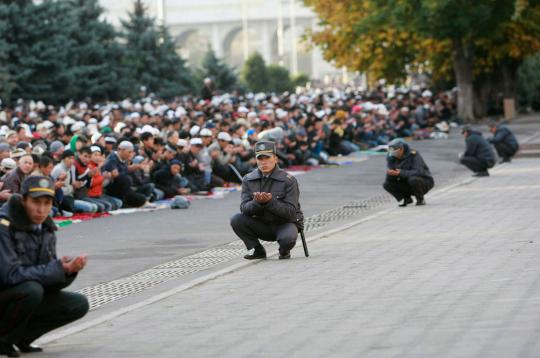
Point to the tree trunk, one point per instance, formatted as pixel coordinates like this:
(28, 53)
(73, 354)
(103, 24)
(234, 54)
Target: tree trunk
(463, 68)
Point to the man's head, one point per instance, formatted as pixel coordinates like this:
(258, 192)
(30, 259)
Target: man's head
(265, 152)
(67, 158)
(492, 126)
(46, 165)
(125, 150)
(196, 144)
(38, 194)
(224, 139)
(4, 151)
(84, 155)
(396, 148)
(26, 164)
(96, 156)
(466, 130)
(148, 139)
(176, 167)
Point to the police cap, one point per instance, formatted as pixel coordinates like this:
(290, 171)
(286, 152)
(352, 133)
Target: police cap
(265, 148)
(37, 186)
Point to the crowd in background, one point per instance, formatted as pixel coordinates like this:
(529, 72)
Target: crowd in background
(128, 154)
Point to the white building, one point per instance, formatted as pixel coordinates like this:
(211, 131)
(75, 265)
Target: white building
(236, 28)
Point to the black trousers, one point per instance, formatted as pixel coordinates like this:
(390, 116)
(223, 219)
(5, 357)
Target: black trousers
(121, 188)
(407, 187)
(475, 164)
(250, 230)
(504, 150)
(28, 311)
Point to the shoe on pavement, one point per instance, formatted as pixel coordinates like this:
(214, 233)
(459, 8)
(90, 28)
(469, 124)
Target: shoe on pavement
(7, 349)
(481, 174)
(28, 348)
(406, 202)
(258, 253)
(505, 160)
(420, 202)
(284, 255)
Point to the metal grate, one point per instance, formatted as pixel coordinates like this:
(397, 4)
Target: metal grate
(104, 293)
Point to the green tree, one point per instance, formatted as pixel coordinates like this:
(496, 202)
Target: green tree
(255, 73)
(38, 48)
(96, 54)
(529, 82)
(214, 68)
(279, 79)
(150, 58)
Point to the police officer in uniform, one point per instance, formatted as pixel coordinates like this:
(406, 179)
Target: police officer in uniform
(32, 302)
(269, 210)
(504, 141)
(407, 174)
(478, 155)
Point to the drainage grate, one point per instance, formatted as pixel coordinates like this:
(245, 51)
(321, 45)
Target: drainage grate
(104, 293)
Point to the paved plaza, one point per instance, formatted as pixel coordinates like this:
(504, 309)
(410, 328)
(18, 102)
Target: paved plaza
(459, 277)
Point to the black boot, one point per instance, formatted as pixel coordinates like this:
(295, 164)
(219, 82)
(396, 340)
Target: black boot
(258, 253)
(284, 254)
(7, 349)
(28, 348)
(406, 202)
(420, 201)
(481, 174)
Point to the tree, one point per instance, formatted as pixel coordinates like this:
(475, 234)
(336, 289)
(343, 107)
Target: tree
(38, 48)
(279, 79)
(150, 58)
(255, 73)
(96, 55)
(214, 68)
(391, 38)
(529, 82)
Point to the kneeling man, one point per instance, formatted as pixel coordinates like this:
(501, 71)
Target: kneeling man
(407, 174)
(269, 210)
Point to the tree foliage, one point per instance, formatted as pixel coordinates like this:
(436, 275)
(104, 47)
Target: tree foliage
(471, 41)
(223, 76)
(279, 79)
(255, 73)
(150, 59)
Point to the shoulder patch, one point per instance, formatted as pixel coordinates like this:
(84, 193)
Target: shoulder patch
(4, 222)
(413, 152)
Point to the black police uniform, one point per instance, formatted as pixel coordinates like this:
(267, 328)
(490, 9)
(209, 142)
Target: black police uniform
(505, 142)
(32, 302)
(478, 156)
(278, 220)
(414, 177)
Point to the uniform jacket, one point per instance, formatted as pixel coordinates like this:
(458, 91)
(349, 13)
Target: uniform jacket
(284, 206)
(504, 135)
(478, 147)
(410, 165)
(26, 253)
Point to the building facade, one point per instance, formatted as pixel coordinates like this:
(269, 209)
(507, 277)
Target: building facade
(234, 29)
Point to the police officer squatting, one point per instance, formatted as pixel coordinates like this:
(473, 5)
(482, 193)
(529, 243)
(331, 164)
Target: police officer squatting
(32, 278)
(407, 174)
(270, 208)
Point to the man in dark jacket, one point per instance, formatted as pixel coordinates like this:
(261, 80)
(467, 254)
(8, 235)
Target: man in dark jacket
(166, 180)
(407, 174)
(121, 186)
(32, 302)
(504, 141)
(270, 209)
(479, 155)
